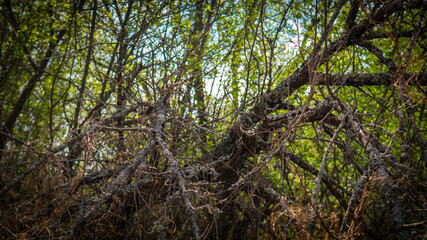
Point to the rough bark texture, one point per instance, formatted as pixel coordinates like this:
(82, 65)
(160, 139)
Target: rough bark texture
(316, 154)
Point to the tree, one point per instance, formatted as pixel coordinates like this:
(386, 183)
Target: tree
(213, 119)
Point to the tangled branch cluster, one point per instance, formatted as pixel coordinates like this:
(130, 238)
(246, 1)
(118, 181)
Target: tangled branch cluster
(169, 176)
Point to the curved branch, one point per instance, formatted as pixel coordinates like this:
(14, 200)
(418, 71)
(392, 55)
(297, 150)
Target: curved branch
(370, 79)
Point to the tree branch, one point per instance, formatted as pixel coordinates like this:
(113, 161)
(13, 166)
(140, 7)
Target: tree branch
(370, 79)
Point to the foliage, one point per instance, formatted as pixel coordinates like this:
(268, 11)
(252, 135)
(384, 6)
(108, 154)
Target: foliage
(213, 119)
